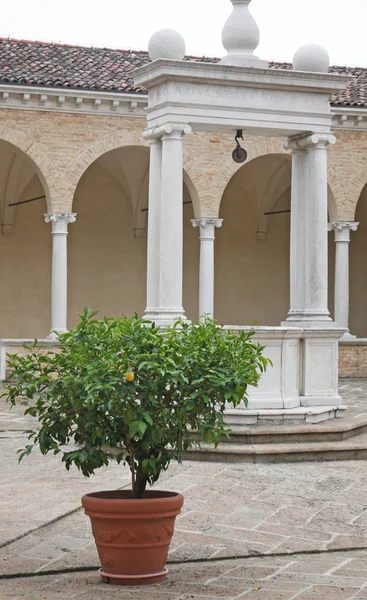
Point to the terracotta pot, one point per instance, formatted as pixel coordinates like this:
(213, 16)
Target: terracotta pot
(132, 536)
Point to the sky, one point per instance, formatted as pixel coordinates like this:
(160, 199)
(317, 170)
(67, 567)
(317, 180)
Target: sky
(338, 25)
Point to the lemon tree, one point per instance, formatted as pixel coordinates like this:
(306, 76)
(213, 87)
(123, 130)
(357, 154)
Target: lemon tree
(124, 389)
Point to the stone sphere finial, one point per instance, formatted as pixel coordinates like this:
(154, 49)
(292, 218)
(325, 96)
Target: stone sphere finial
(166, 43)
(241, 36)
(311, 57)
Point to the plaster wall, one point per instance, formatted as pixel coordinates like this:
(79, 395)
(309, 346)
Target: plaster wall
(25, 271)
(358, 278)
(251, 276)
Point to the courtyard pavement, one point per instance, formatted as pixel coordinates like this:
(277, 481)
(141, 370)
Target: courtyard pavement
(251, 531)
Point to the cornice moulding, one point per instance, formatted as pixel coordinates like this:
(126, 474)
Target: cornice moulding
(160, 71)
(73, 101)
(119, 104)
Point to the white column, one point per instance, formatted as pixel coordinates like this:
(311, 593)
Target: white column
(165, 225)
(342, 231)
(309, 242)
(206, 280)
(59, 223)
(154, 212)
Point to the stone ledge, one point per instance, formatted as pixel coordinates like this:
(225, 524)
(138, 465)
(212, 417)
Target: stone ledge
(314, 414)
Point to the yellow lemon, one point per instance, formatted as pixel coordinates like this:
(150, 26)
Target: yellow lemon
(129, 377)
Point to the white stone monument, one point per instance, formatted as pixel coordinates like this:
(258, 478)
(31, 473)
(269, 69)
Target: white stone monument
(242, 93)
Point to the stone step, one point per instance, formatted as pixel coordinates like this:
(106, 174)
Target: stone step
(330, 431)
(350, 449)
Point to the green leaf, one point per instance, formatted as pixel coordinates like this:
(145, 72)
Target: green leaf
(209, 436)
(142, 427)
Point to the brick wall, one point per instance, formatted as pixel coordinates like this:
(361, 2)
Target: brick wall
(353, 359)
(64, 145)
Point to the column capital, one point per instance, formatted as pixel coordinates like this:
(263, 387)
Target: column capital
(60, 221)
(342, 229)
(207, 226)
(309, 140)
(166, 131)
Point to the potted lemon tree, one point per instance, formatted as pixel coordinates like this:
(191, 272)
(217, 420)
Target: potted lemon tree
(125, 390)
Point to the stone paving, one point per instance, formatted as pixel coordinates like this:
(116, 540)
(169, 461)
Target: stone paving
(259, 531)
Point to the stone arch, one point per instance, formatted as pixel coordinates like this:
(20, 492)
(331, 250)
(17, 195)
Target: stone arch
(71, 175)
(31, 152)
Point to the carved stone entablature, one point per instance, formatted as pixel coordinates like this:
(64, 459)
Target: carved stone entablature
(73, 101)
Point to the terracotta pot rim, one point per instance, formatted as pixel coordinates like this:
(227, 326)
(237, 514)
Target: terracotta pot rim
(148, 495)
(154, 502)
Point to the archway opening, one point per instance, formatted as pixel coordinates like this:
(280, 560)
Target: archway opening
(108, 242)
(253, 246)
(358, 280)
(25, 247)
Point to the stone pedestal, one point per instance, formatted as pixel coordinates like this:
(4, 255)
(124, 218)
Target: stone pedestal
(59, 223)
(303, 380)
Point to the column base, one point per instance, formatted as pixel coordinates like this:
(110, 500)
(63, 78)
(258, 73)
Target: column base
(150, 314)
(320, 400)
(348, 337)
(165, 317)
(307, 320)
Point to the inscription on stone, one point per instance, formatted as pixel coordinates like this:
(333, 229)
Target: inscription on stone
(217, 95)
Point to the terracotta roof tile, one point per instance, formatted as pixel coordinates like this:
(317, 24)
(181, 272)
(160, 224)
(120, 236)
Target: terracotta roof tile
(26, 62)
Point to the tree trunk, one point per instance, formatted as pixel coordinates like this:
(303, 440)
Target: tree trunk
(139, 486)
